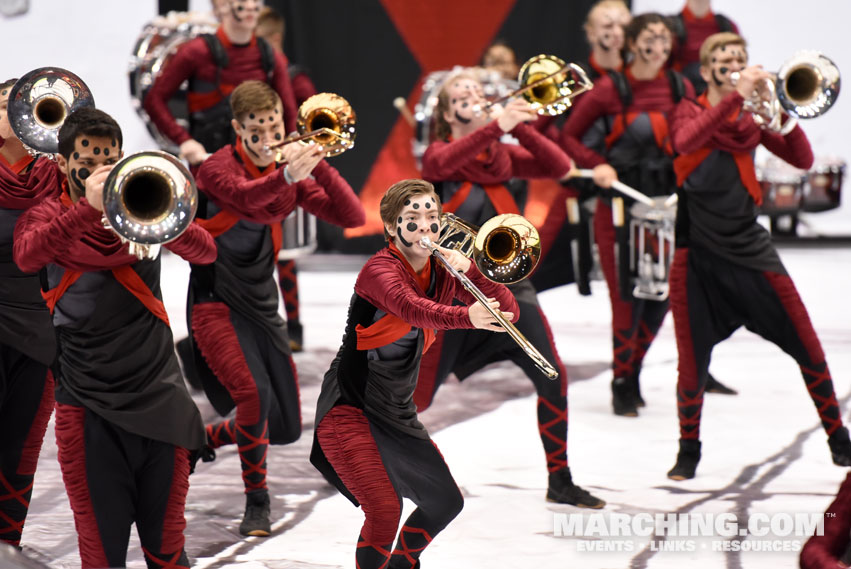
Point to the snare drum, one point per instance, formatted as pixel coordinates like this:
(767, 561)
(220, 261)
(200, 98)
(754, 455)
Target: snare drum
(299, 235)
(782, 188)
(823, 189)
(651, 239)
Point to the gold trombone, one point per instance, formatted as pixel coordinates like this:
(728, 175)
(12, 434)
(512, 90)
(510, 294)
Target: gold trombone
(327, 119)
(548, 83)
(506, 250)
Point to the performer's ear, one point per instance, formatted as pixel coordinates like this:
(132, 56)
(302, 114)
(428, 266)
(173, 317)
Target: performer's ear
(62, 162)
(235, 124)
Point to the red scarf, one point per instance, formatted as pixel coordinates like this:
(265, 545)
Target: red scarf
(390, 328)
(658, 120)
(202, 101)
(738, 135)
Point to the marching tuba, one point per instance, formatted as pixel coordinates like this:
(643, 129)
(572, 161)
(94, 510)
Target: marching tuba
(149, 198)
(40, 102)
(506, 250)
(327, 119)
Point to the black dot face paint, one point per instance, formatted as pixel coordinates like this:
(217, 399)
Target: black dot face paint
(433, 201)
(4, 93)
(76, 156)
(254, 138)
(428, 205)
(400, 219)
(85, 142)
(723, 70)
(270, 119)
(262, 121)
(716, 79)
(96, 151)
(276, 111)
(113, 143)
(454, 101)
(723, 48)
(714, 60)
(416, 206)
(106, 151)
(411, 226)
(407, 202)
(402, 239)
(251, 116)
(84, 173)
(434, 228)
(278, 136)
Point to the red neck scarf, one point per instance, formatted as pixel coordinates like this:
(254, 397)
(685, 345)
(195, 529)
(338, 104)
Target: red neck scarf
(689, 16)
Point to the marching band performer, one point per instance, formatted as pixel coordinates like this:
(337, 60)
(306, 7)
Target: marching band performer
(471, 168)
(368, 440)
(234, 320)
(726, 272)
(125, 423)
(27, 339)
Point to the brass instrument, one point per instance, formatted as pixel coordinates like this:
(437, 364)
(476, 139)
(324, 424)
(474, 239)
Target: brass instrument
(806, 86)
(506, 250)
(149, 198)
(326, 119)
(549, 84)
(40, 102)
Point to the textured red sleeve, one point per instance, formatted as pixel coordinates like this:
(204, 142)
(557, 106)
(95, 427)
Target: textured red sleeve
(330, 197)
(692, 126)
(384, 284)
(180, 67)
(196, 245)
(222, 179)
(45, 233)
(285, 91)
(824, 551)
(599, 102)
(303, 88)
(443, 159)
(794, 148)
(537, 156)
(507, 302)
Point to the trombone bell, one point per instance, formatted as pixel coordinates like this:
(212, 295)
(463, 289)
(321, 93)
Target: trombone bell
(334, 119)
(549, 84)
(808, 84)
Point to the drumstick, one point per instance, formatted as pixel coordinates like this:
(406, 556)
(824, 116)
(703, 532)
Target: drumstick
(402, 106)
(619, 186)
(672, 199)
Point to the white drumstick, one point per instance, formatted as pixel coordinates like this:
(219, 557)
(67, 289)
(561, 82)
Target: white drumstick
(672, 199)
(621, 187)
(402, 106)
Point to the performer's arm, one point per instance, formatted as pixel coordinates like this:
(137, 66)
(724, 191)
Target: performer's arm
(507, 302)
(692, 126)
(180, 67)
(195, 245)
(589, 107)
(443, 159)
(330, 198)
(233, 191)
(823, 551)
(537, 156)
(284, 88)
(794, 148)
(42, 236)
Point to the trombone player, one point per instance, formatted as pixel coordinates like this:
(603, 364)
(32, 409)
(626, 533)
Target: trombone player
(726, 272)
(471, 169)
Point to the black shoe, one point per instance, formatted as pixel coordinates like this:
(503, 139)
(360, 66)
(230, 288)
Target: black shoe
(561, 489)
(206, 454)
(687, 460)
(623, 397)
(256, 519)
(636, 391)
(715, 386)
(296, 334)
(404, 564)
(840, 447)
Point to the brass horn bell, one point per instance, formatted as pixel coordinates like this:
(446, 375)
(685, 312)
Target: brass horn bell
(327, 119)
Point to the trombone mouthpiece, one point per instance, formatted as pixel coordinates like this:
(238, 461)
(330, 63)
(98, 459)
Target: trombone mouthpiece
(425, 242)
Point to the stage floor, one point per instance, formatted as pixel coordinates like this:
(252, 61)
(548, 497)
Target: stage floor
(765, 455)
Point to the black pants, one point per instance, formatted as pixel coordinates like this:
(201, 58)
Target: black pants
(710, 299)
(114, 479)
(26, 402)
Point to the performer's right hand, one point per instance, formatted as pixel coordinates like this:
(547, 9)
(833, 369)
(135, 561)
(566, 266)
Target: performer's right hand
(604, 175)
(193, 151)
(516, 112)
(749, 79)
(302, 159)
(94, 186)
(483, 319)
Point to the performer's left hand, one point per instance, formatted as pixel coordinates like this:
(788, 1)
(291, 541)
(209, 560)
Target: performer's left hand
(94, 186)
(458, 261)
(302, 159)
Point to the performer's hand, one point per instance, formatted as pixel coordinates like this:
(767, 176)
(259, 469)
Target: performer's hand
(516, 112)
(749, 79)
(483, 319)
(302, 159)
(604, 175)
(193, 151)
(94, 186)
(457, 260)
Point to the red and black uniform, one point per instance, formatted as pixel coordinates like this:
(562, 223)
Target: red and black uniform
(690, 33)
(637, 146)
(368, 441)
(567, 253)
(470, 174)
(233, 304)
(125, 423)
(27, 347)
(827, 550)
(726, 272)
(214, 67)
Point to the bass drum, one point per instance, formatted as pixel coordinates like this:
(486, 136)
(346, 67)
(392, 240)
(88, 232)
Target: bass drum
(823, 190)
(494, 86)
(782, 187)
(299, 235)
(158, 41)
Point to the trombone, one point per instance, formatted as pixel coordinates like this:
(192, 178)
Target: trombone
(548, 83)
(506, 250)
(327, 119)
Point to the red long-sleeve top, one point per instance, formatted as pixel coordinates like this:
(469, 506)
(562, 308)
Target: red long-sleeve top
(193, 59)
(269, 199)
(463, 159)
(74, 237)
(697, 30)
(824, 551)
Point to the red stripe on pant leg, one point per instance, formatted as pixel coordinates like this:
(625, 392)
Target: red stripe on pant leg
(557, 453)
(221, 433)
(689, 394)
(72, 460)
(217, 340)
(35, 437)
(174, 524)
(427, 378)
(346, 439)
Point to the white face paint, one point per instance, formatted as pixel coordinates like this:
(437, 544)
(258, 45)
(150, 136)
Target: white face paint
(724, 61)
(653, 45)
(605, 29)
(419, 218)
(5, 126)
(465, 95)
(258, 131)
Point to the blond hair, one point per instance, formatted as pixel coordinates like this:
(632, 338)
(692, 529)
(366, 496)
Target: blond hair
(719, 40)
(442, 129)
(252, 97)
(396, 195)
(269, 23)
